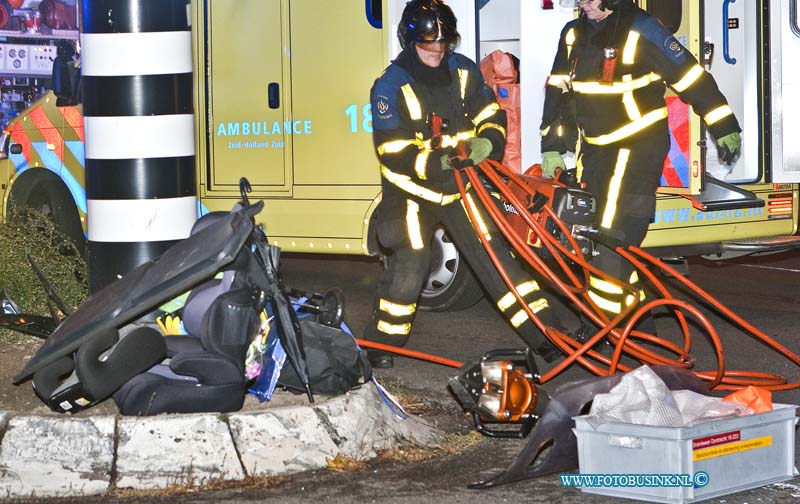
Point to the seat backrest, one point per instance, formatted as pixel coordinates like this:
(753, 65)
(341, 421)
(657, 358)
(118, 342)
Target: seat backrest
(200, 299)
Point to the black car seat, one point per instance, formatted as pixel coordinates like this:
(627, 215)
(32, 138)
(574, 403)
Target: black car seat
(204, 370)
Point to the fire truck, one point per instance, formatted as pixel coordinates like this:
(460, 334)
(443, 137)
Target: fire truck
(281, 90)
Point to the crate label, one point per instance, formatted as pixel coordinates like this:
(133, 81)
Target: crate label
(729, 448)
(625, 441)
(716, 439)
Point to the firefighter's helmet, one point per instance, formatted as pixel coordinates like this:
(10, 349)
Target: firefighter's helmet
(428, 21)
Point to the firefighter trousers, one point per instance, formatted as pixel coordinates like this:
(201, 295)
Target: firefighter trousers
(405, 228)
(624, 178)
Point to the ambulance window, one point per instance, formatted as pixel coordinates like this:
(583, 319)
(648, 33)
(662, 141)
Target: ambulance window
(668, 12)
(374, 12)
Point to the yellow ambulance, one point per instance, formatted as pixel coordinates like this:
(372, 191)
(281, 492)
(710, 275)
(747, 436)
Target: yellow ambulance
(281, 90)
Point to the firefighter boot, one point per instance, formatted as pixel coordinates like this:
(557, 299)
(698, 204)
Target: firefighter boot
(379, 359)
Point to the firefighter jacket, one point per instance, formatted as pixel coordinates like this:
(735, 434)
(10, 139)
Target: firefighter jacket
(404, 99)
(616, 100)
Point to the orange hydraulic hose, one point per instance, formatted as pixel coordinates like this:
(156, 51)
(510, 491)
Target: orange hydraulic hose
(623, 337)
(538, 264)
(762, 379)
(575, 289)
(410, 353)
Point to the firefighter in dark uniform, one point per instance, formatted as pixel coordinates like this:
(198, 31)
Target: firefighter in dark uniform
(605, 101)
(426, 102)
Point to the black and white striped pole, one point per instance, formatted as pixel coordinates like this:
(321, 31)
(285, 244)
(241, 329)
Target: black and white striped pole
(138, 112)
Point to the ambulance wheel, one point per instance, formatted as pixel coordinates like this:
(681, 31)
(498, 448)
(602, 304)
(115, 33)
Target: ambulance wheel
(451, 285)
(42, 191)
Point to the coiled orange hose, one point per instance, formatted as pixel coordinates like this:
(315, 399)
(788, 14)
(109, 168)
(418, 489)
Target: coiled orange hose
(619, 330)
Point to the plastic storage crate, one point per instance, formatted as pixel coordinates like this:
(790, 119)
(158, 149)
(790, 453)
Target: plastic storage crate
(736, 453)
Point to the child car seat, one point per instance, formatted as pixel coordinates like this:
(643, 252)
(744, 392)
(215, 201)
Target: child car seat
(204, 370)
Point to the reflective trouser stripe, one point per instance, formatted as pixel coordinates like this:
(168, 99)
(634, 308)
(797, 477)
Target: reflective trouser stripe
(614, 188)
(631, 298)
(604, 304)
(394, 329)
(508, 300)
(607, 295)
(396, 309)
(604, 286)
(480, 222)
(633, 280)
(413, 227)
(521, 316)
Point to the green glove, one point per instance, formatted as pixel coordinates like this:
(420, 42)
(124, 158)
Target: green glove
(479, 149)
(728, 147)
(446, 164)
(550, 161)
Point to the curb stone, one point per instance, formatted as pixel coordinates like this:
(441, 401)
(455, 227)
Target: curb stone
(183, 450)
(281, 442)
(359, 435)
(47, 456)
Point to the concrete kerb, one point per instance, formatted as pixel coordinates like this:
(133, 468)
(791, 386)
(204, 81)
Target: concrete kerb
(47, 456)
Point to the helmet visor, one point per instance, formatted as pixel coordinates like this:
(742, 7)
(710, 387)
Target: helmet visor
(434, 29)
(436, 47)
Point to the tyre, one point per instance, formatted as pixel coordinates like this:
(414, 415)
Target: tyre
(40, 190)
(451, 285)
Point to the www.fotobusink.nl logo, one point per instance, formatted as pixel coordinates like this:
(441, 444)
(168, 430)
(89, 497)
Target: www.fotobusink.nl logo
(696, 480)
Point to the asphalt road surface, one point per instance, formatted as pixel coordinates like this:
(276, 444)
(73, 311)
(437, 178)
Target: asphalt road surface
(764, 291)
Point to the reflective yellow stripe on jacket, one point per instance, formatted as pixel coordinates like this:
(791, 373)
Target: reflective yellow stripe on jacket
(405, 183)
(569, 40)
(615, 87)
(629, 129)
(425, 147)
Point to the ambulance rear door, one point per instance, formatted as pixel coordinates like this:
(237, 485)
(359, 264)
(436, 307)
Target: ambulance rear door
(249, 128)
(713, 30)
